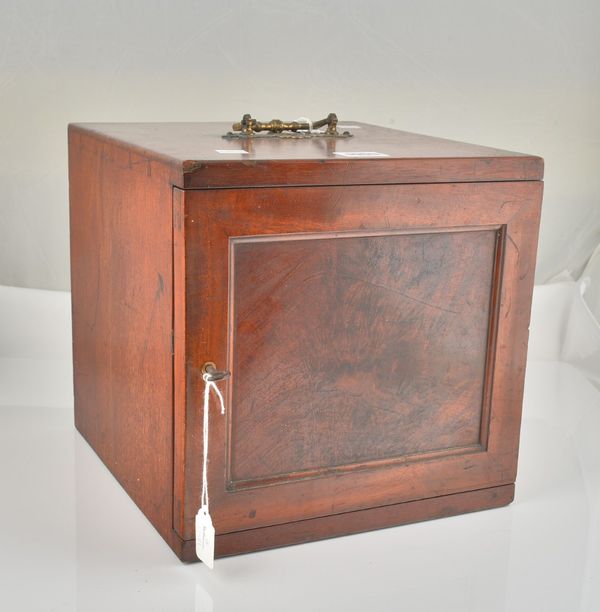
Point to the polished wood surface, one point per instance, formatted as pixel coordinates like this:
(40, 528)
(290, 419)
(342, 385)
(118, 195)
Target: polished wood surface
(216, 220)
(355, 349)
(190, 150)
(250, 540)
(122, 309)
(376, 332)
(360, 520)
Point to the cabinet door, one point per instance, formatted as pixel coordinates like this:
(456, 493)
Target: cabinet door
(376, 338)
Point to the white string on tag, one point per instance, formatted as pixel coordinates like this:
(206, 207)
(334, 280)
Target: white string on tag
(208, 386)
(205, 531)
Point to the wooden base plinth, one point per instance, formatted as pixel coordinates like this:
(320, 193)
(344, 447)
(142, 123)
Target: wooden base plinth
(353, 522)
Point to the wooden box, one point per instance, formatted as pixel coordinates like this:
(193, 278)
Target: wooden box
(370, 296)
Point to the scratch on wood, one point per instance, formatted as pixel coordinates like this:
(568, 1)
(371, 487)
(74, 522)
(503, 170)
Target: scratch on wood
(161, 287)
(514, 244)
(157, 295)
(404, 295)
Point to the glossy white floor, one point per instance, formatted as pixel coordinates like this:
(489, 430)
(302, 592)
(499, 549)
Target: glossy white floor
(71, 539)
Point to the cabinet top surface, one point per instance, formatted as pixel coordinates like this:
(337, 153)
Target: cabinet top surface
(205, 157)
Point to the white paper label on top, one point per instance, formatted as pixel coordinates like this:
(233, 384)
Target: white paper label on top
(205, 538)
(360, 154)
(349, 127)
(232, 151)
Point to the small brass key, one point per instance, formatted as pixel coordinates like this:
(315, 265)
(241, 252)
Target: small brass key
(209, 370)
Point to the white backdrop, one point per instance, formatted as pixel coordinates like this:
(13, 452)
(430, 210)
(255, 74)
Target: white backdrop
(517, 74)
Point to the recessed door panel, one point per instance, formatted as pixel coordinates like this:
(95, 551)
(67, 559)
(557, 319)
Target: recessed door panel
(358, 348)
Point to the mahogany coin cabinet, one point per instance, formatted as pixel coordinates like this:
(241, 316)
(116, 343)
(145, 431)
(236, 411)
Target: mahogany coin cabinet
(370, 296)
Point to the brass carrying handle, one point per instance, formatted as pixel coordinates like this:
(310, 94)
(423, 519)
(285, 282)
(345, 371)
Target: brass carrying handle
(211, 374)
(250, 126)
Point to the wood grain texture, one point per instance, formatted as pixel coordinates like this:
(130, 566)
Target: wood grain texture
(191, 150)
(375, 320)
(122, 308)
(215, 219)
(355, 522)
(179, 365)
(354, 349)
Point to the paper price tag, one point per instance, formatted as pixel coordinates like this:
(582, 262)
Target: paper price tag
(205, 538)
(232, 152)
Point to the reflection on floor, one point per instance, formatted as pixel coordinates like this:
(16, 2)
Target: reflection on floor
(71, 539)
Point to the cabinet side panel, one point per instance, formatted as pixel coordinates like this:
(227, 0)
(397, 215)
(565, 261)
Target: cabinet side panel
(121, 282)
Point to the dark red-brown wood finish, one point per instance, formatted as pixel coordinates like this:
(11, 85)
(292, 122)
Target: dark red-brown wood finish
(122, 307)
(373, 314)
